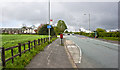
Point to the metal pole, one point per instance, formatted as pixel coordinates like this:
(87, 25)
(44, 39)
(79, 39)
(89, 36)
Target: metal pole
(89, 22)
(49, 34)
(49, 19)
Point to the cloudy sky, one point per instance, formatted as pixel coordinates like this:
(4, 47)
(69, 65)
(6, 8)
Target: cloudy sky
(102, 14)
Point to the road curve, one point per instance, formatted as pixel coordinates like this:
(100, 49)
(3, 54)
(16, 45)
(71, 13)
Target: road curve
(96, 53)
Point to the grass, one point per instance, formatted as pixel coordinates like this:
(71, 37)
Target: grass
(110, 38)
(13, 40)
(21, 62)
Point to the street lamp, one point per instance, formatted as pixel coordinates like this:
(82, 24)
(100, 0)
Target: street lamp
(89, 22)
(49, 18)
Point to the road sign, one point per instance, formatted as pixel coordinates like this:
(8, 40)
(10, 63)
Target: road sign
(51, 20)
(48, 26)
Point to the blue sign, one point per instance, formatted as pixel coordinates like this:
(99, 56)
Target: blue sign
(49, 26)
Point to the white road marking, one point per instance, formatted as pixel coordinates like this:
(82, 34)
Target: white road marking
(48, 57)
(80, 53)
(80, 56)
(50, 52)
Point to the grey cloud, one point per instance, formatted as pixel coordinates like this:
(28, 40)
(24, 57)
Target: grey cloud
(103, 14)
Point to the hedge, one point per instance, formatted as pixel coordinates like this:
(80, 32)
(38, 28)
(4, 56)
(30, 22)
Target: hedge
(100, 34)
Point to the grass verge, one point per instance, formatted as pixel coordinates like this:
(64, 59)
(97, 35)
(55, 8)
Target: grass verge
(21, 62)
(110, 38)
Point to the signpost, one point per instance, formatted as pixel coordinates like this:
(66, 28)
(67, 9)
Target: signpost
(49, 26)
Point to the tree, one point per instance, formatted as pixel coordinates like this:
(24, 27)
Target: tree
(61, 26)
(66, 31)
(100, 30)
(44, 30)
(56, 30)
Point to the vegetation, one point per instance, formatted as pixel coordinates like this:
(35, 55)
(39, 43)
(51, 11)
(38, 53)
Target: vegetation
(100, 30)
(44, 30)
(101, 33)
(110, 38)
(21, 62)
(66, 31)
(61, 26)
(13, 40)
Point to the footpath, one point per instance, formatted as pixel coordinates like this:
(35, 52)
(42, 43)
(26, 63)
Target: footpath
(53, 56)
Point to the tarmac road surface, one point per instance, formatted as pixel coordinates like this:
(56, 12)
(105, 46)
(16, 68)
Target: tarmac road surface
(95, 53)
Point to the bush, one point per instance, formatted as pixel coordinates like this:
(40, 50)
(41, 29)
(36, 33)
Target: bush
(100, 34)
(108, 34)
(44, 30)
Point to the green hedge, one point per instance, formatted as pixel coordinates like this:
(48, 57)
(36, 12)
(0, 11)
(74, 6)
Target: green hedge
(100, 34)
(109, 34)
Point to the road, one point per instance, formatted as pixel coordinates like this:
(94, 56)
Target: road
(95, 53)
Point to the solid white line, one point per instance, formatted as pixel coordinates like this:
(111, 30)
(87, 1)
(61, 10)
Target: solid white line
(80, 53)
(48, 57)
(80, 56)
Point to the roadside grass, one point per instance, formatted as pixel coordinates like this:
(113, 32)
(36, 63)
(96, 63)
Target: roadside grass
(21, 62)
(111, 38)
(13, 40)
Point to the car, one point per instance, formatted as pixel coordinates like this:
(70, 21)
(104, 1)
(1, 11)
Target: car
(68, 33)
(72, 33)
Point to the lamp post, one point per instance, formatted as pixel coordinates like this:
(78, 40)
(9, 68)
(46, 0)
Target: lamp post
(49, 19)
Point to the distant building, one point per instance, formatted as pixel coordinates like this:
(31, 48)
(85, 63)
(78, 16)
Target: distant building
(112, 30)
(84, 30)
(17, 30)
(12, 30)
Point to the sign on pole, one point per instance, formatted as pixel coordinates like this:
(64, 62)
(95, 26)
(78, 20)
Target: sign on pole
(48, 26)
(51, 21)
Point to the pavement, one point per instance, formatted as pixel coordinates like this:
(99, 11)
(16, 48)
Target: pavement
(53, 56)
(95, 53)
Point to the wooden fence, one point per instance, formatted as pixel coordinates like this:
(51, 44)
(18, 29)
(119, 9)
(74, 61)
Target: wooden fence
(30, 44)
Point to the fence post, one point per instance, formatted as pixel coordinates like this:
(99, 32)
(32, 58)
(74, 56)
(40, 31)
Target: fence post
(24, 46)
(29, 45)
(38, 41)
(3, 56)
(19, 49)
(34, 43)
(44, 40)
(12, 55)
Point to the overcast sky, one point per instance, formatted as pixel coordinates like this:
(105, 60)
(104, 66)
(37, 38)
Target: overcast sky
(102, 14)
